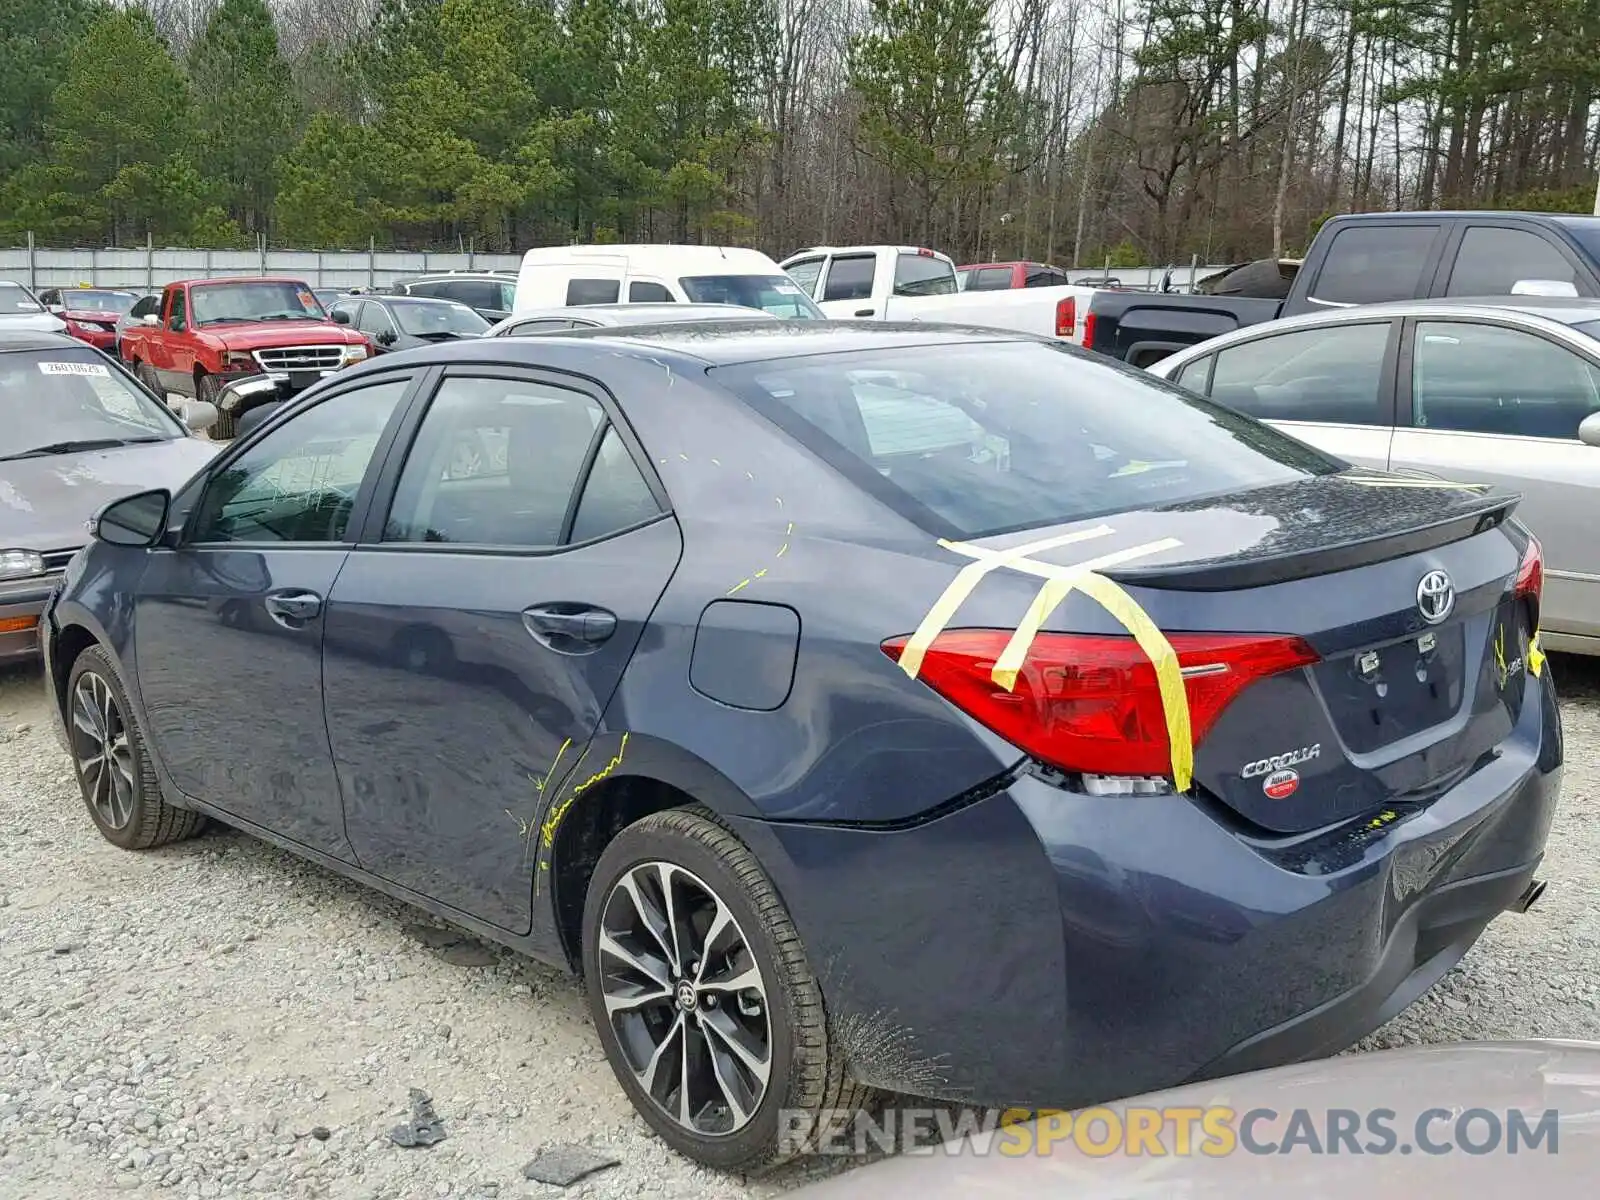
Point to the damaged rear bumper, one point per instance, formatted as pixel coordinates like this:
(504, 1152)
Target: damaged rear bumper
(1047, 948)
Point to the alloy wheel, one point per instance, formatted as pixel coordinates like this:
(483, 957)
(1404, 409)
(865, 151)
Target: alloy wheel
(100, 747)
(685, 998)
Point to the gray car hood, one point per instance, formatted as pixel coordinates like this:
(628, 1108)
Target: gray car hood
(44, 502)
(40, 322)
(1530, 1076)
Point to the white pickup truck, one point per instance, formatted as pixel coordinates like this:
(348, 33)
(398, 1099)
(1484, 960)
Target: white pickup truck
(909, 283)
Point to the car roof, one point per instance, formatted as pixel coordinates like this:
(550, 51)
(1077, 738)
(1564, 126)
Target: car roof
(415, 301)
(240, 279)
(716, 343)
(33, 339)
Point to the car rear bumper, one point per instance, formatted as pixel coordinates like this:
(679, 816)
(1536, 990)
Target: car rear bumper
(21, 602)
(1046, 948)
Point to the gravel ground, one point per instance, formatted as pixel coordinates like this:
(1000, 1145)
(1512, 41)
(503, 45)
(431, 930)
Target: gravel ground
(220, 1019)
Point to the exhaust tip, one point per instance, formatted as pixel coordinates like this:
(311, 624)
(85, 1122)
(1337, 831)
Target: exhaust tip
(1530, 896)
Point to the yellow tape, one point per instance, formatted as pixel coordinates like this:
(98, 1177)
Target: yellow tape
(967, 580)
(1055, 590)
(1535, 654)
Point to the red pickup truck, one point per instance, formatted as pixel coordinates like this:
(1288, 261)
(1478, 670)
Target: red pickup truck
(209, 333)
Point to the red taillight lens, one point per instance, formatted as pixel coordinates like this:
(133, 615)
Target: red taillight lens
(1530, 572)
(1066, 317)
(1088, 331)
(1092, 703)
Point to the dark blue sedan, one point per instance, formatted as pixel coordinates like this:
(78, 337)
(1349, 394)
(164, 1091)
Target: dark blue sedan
(854, 706)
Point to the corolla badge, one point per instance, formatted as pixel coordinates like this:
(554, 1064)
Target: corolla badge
(1280, 763)
(1436, 597)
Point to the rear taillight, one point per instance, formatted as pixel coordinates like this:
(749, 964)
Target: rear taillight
(1066, 317)
(1088, 330)
(1092, 704)
(1530, 579)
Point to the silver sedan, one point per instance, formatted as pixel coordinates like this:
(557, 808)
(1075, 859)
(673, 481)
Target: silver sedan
(1496, 391)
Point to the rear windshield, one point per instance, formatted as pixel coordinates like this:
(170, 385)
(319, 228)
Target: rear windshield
(64, 397)
(424, 320)
(776, 294)
(923, 275)
(218, 303)
(974, 439)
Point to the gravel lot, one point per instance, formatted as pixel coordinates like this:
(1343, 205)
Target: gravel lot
(221, 1019)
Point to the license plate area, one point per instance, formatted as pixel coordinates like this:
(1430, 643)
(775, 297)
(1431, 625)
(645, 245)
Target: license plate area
(1381, 694)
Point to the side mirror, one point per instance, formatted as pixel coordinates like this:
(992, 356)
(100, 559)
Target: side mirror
(150, 319)
(137, 520)
(198, 415)
(340, 317)
(1589, 430)
(57, 309)
(386, 338)
(1543, 287)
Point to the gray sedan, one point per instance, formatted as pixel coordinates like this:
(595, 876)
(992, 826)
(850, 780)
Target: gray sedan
(1495, 391)
(595, 316)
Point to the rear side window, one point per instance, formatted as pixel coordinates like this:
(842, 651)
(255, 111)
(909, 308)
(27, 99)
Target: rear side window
(850, 278)
(969, 440)
(923, 275)
(1194, 375)
(991, 279)
(1332, 375)
(1491, 261)
(593, 291)
(1368, 264)
(642, 291)
(1044, 277)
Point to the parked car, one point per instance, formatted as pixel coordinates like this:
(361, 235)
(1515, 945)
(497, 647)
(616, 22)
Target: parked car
(76, 431)
(212, 331)
(1483, 1119)
(696, 685)
(90, 314)
(1364, 258)
(328, 297)
(21, 311)
(1484, 391)
(488, 293)
(571, 276)
(1000, 277)
(563, 319)
(910, 283)
(144, 306)
(407, 322)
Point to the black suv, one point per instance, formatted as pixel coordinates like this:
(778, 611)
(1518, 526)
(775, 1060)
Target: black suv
(489, 292)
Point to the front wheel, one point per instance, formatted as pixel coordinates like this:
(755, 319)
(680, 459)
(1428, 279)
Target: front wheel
(208, 388)
(114, 771)
(708, 1010)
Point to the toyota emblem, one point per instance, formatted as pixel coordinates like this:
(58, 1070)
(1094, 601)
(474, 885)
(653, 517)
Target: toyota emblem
(1436, 597)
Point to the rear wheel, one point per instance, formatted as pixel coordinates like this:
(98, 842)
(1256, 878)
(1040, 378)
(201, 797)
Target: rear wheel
(114, 772)
(147, 376)
(708, 1010)
(208, 388)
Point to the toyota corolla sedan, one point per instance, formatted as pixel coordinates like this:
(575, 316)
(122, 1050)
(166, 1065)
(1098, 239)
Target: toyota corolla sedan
(852, 706)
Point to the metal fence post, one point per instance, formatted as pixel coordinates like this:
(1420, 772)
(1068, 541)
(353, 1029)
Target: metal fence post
(149, 261)
(33, 273)
(372, 263)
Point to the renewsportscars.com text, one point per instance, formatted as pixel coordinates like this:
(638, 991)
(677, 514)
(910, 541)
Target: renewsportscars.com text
(1213, 1132)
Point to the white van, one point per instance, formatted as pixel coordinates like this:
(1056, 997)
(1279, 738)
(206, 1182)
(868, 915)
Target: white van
(559, 276)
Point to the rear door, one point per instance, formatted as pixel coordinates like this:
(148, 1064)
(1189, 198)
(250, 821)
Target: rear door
(1331, 386)
(1370, 263)
(847, 286)
(479, 629)
(1485, 403)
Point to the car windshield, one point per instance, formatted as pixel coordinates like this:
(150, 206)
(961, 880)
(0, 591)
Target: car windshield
(923, 275)
(15, 298)
(215, 303)
(776, 294)
(63, 399)
(431, 320)
(974, 439)
(84, 300)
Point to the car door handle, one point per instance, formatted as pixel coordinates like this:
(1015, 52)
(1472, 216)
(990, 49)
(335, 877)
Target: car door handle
(569, 627)
(293, 606)
(864, 312)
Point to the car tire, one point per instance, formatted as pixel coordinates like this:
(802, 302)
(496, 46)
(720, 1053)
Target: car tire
(207, 388)
(146, 375)
(727, 1124)
(113, 769)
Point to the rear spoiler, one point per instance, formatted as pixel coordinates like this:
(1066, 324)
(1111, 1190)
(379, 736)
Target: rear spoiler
(1473, 517)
